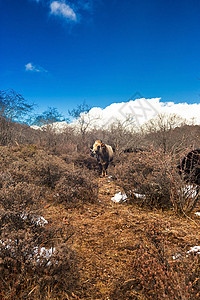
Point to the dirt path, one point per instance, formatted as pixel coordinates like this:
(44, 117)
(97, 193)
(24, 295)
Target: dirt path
(107, 236)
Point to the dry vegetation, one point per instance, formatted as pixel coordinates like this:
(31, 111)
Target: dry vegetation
(91, 247)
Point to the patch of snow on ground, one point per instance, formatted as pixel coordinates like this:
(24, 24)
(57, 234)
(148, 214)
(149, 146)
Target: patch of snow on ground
(43, 253)
(195, 249)
(24, 216)
(38, 254)
(176, 256)
(139, 195)
(119, 197)
(190, 190)
(38, 220)
(8, 243)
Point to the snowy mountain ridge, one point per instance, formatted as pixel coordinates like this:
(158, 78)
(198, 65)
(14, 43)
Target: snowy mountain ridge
(134, 112)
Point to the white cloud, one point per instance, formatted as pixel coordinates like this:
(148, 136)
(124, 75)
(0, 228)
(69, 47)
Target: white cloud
(75, 11)
(134, 112)
(61, 9)
(140, 111)
(30, 67)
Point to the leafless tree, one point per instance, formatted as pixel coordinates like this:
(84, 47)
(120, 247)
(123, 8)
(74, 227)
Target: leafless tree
(13, 108)
(84, 119)
(46, 121)
(160, 129)
(124, 135)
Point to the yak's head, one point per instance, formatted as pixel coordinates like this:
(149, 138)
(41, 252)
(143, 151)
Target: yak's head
(97, 148)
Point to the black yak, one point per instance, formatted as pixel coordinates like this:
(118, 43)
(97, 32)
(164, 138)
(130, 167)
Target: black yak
(103, 154)
(190, 167)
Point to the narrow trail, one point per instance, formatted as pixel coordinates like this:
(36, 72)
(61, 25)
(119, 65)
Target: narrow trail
(103, 241)
(107, 189)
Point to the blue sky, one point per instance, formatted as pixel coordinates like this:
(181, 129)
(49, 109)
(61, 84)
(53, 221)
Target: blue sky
(60, 53)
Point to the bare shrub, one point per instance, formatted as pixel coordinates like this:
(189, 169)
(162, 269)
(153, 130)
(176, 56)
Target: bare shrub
(155, 275)
(35, 259)
(28, 267)
(21, 195)
(32, 165)
(160, 130)
(146, 174)
(75, 188)
(82, 160)
(31, 261)
(65, 142)
(151, 178)
(67, 176)
(184, 196)
(123, 136)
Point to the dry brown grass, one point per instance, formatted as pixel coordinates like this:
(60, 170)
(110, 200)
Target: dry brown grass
(114, 249)
(107, 250)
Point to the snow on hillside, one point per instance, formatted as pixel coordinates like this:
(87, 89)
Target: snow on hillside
(57, 126)
(135, 112)
(140, 111)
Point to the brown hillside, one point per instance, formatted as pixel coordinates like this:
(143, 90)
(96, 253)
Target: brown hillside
(103, 250)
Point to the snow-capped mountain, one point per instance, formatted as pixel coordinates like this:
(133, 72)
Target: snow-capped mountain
(135, 112)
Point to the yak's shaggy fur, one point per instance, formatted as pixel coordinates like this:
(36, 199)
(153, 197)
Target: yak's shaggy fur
(104, 155)
(190, 167)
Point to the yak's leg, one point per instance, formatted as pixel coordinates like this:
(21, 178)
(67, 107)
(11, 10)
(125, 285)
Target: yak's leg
(106, 167)
(103, 171)
(100, 169)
